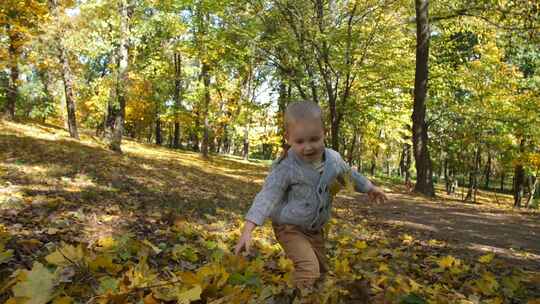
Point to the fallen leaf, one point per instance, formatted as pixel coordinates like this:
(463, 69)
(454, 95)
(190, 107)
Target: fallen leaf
(38, 286)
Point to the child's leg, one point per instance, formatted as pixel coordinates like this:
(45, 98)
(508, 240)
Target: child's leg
(305, 250)
(317, 241)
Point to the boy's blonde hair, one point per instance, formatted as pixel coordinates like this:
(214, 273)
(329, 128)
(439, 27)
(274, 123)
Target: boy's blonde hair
(302, 110)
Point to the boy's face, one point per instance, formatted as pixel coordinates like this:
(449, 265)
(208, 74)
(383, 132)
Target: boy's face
(306, 138)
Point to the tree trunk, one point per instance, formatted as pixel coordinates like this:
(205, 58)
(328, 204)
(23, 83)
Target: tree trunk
(408, 161)
(519, 178)
(245, 149)
(12, 90)
(176, 137)
(282, 105)
(194, 136)
(447, 181)
(488, 171)
(352, 148)
(334, 124)
(206, 103)
(405, 160)
(440, 172)
(149, 134)
(67, 77)
(117, 108)
(532, 193)
(373, 166)
(159, 139)
(424, 179)
(177, 98)
(171, 135)
(473, 177)
(226, 142)
(502, 181)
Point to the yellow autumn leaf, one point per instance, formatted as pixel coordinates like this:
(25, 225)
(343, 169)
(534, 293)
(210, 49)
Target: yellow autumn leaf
(447, 261)
(38, 286)
(496, 300)
(107, 242)
(106, 262)
(190, 295)
(189, 277)
(383, 267)
(488, 284)
(414, 285)
(66, 255)
(63, 300)
(360, 245)
(342, 266)
(285, 264)
(406, 239)
(486, 259)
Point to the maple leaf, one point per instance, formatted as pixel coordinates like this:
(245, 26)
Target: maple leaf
(37, 287)
(486, 259)
(449, 262)
(342, 266)
(66, 255)
(488, 284)
(141, 275)
(360, 245)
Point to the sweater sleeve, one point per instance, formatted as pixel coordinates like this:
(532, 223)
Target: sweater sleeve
(274, 188)
(360, 182)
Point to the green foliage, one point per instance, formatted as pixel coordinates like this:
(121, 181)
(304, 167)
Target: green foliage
(355, 58)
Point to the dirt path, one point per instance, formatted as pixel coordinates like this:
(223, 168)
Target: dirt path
(467, 228)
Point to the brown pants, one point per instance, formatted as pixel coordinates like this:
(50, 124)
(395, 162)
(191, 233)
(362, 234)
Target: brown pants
(306, 250)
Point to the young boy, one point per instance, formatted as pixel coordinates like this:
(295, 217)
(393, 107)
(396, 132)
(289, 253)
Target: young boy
(297, 194)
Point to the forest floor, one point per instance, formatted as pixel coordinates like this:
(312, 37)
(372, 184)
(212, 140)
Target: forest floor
(79, 223)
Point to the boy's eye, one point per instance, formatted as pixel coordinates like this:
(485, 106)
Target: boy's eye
(315, 139)
(300, 141)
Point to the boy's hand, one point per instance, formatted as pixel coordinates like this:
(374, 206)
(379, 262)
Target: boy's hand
(377, 195)
(245, 239)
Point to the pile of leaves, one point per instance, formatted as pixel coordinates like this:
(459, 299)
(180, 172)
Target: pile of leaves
(95, 237)
(187, 262)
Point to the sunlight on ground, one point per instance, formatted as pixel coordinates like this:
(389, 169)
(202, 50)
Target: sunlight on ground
(154, 213)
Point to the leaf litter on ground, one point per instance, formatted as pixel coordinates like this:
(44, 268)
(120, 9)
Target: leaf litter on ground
(80, 224)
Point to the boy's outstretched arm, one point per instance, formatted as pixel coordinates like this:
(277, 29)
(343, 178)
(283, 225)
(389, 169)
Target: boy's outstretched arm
(362, 184)
(274, 188)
